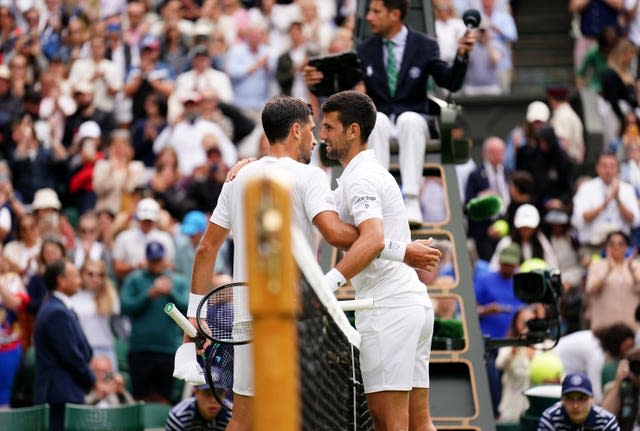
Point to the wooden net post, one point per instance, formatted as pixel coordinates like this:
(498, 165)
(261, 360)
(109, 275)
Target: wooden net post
(273, 302)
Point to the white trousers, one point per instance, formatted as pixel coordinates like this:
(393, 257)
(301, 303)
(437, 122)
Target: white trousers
(412, 131)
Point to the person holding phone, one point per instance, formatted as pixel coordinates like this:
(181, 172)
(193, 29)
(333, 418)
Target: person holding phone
(109, 389)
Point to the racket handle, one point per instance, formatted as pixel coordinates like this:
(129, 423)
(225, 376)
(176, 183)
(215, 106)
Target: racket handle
(172, 311)
(357, 304)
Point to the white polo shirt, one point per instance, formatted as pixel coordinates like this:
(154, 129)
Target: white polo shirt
(367, 190)
(310, 195)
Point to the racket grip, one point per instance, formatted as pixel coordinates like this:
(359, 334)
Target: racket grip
(357, 304)
(172, 311)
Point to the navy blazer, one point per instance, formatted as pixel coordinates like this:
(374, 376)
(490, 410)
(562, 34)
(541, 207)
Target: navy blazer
(63, 354)
(421, 58)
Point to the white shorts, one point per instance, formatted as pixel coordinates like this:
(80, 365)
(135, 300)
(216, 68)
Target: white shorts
(395, 348)
(243, 369)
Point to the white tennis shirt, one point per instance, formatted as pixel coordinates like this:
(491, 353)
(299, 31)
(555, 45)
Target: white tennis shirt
(367, 190)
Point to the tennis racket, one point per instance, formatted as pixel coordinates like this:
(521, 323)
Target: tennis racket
(216, 359)
(223, 314)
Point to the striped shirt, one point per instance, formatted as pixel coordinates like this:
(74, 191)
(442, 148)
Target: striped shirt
(555, 418)
(185, 416)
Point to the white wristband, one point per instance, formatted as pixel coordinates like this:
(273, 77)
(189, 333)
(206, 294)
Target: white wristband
(194, 301)
(334, 279)
(393, 250)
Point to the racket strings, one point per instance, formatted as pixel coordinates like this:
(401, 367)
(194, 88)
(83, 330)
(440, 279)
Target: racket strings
(224, 315)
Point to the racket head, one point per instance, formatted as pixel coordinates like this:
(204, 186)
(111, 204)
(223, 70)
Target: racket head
(218, 373)
(223, 314)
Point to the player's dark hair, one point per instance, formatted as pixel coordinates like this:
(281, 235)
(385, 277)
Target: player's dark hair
(280, 113)
(51, 273)
(353, 107)
(402, 5)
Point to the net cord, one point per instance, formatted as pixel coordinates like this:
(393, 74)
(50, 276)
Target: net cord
(308, 264)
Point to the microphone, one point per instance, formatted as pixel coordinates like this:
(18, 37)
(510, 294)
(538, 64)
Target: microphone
(471, 18)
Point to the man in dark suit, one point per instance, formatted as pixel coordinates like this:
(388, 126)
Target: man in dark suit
(63, 353)
(489, 177)
(396, 63)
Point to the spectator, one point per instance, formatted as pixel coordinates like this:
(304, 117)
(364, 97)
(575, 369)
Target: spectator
(201, 411)
(449, 29)
(13, 302)
(96, 304)
(149, 76)
(618, 89)
(521, 185)
(529, 236)
(128, 254)
(514, 362)
(21, 253)
(63, 353)
(595, 16)
(605, 199)
(146, 129)
(576, 408)
(191, 230)
(187, 135)
(624, 389)
(9, 32)
(523, 141)
(88, 245)
(290, 63)
(558, 230)
(107, 79)
(553, 171)
(589, 72)
(9, 105)
(109, 389)
(117, 176)
(168, 185)
(566, 123)
(612, 285)
(82, 166)
(503, 34)
(251, 66)
(46, 207)
(203, 77)
(174, 47)
(488, 178)
(75, 43)
(206, 182)
(154, 338)
(316, 30)
(86, 110)
(35, 167)
(483, 76)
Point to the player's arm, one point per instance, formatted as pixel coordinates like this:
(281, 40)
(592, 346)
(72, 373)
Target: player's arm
(367, 247)
(203, 264)
(337, 233)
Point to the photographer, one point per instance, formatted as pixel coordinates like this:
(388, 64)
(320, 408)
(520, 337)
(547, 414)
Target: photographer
(109, 389)
(623, 395)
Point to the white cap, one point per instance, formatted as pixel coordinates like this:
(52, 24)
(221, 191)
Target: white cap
(538, 111)
(45, 198)
(148, 209)
(526, 216)
(88, 129)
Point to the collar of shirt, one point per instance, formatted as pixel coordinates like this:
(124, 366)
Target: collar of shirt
(361, 157)
(399, 42)
(66, 300)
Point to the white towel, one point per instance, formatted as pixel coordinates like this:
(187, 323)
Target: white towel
(186, 365)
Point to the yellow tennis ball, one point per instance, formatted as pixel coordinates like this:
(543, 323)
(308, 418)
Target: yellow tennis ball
(546, 367)
(502, 227)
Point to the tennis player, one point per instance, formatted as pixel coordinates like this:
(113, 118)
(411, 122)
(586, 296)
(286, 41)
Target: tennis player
(396, 335)
(288, 125)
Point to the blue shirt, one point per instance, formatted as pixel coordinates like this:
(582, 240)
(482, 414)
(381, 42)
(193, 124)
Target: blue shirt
(493, 287)
(555, 418)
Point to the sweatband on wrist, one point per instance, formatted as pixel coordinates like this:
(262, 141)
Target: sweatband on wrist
(393, 250)
(334, 279)
(194, 301)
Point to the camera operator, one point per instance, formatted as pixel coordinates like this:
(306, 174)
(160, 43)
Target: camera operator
(623, 395)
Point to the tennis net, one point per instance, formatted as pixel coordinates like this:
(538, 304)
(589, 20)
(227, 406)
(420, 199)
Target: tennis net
(332, 395)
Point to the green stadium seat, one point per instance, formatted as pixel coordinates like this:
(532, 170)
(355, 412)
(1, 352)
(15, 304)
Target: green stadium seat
(90, 418)
(154, 416)
(508, 426)
(35, 418)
